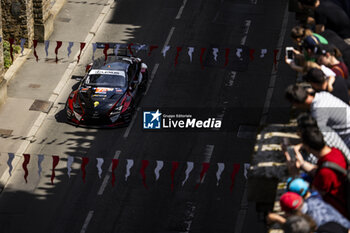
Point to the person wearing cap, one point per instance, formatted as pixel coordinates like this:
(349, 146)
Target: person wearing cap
(291, 204)
(337, 86)
(329, 183)
(312, 208)
(308, 46)
(313, 205)
(327, 55)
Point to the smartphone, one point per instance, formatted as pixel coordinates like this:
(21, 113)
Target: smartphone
(290, 53)
(291, 152)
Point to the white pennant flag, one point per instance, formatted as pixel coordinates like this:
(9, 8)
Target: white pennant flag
(94, 47)
(215, 53)
(70, 160)
(129, 164)
(69, 48)
(263, 52)
(140, 47)
(116, 49)
(159, 167)
(239, 52)
(40, 160)
(188, 171)
(99, 166)
(190, 51)
(221, 167)
(246, 168)
(23, 41)
(165, 49)
(9, 162)
(47, 45)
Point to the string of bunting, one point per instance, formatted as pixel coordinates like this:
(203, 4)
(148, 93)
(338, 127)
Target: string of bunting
(116, 46)
(85, 161)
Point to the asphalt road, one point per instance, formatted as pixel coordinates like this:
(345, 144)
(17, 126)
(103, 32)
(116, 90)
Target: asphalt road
(237, 92)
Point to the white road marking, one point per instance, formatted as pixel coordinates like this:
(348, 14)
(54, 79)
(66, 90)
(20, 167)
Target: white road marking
(244, 202)
(178, 16)
(246, 30)
(105, 180)
(154, 71)
(169, 36)
(127, 131)
(273, 76)
(208, 152)
(232, 76)
(217, 13)
(87, 221)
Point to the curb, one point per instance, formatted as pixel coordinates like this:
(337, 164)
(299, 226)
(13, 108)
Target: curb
(16, 65)
(64, 79)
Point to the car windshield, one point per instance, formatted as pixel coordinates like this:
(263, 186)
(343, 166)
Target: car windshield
(106, 79)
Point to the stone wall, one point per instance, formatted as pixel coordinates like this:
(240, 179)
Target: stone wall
(1, 50)
(17, 20)
(3, 83)
(43, 19)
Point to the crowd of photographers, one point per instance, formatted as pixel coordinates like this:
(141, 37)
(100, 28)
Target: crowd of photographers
(317, 198)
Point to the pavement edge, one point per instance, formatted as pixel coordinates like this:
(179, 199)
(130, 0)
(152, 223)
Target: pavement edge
(64, 79)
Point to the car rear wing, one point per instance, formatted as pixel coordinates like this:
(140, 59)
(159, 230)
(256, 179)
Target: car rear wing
(123, 49)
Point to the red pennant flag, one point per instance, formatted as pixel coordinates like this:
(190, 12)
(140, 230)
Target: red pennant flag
(12, 41)
(115, 163)
(24, 165)
(105, 51)
(129, 47)
(35, 43)
(227, 53)
(275, 52)
(55, 160)
(177, 54)
(82, 45)
(236, 167)
(142, 171)
(83, 165)
(172, 173)
(201, 56)
(251, 54)
(205, 167)
(58, 46)
(152, 47)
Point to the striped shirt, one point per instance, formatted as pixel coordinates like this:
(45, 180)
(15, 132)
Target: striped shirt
(332, 115)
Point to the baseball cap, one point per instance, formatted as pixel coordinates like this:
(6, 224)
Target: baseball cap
(297, 185)
(315, 75)
(290, 201)
(310, 42)
(322, 49)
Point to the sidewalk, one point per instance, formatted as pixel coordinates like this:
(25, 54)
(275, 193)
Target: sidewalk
(35, 86)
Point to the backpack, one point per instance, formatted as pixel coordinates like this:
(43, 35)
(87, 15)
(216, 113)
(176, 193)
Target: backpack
(346, 172)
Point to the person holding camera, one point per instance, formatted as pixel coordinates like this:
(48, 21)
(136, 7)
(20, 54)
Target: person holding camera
(326, 181)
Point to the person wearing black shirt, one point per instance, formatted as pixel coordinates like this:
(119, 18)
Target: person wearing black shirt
(328, 15)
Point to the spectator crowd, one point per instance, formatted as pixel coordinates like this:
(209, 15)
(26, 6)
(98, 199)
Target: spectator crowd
(317, 197)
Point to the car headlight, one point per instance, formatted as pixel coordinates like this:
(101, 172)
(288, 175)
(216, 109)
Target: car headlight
(116, 110)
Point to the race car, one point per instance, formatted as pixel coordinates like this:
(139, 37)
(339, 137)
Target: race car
(108, 93)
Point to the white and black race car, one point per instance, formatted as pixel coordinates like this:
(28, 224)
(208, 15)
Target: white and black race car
(107, 94)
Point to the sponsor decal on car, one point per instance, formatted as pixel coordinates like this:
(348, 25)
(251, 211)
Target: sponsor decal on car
(110, 72)
(99, 90)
